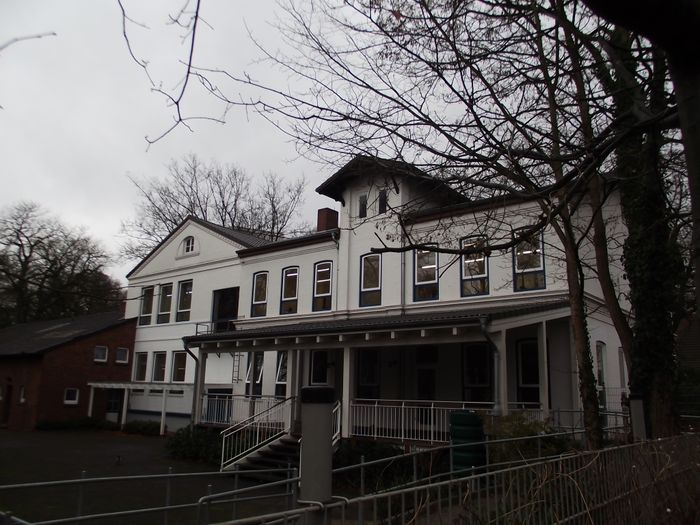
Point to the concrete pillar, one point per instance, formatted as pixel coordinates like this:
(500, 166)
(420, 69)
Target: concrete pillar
(543, 365)
(348, 389)
(499, 340)
(294, 375)
(162, 411)
(198, 390)
(91, 400)
(316, 462)
(125, 404)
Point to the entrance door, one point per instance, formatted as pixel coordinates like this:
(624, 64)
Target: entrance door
(426, 372)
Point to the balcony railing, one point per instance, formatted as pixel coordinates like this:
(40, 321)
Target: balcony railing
(227, 409)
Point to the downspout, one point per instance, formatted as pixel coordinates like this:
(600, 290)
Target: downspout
(497, 407)
(195, 384)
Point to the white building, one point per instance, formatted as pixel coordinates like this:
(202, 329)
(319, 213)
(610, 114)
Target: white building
(403, 337)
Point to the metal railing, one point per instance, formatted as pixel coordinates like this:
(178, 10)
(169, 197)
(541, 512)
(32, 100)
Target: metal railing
(256, 431)
(337, 421)
(228, 409)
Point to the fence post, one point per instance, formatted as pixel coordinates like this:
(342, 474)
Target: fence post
(374, 419)
(361, 510)
(80, 493)
(167, 495)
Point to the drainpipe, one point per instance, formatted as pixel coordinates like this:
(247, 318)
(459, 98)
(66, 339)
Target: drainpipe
(195, 385)
(497, 408)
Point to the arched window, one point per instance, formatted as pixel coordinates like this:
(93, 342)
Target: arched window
(188, 245)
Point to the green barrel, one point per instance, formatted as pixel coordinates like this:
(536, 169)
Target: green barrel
(467, 427)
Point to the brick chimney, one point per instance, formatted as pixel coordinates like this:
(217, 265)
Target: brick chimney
(327, 219)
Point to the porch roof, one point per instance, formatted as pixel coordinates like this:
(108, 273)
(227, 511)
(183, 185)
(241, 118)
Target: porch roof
(435, 319)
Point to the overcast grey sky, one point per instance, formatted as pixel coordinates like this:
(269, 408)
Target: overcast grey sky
(76, 108)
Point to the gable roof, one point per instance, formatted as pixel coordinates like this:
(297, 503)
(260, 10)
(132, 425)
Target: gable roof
(246, 239)
(293, 242)
(40, 336)
(366, 165)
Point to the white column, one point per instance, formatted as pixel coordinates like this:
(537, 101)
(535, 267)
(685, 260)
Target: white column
(91, 400)
(348, 389)
(543, 366)
(162, 412)
(125, 404)
(499, 340)
(198, 390)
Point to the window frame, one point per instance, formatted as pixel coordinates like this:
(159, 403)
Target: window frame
(183, 314)
(174, 366)
(322, 301)
(188, 245)
(146, 318)
(116, 355)
(282, 364)
(157, 369)
(466, 279)
(253, 386)
(537, 273)
(431, 287)
(163, 316)
(367, 293)
(138, 357)
(71, 402)
(258, 308)
(382, 201)
(362, 206)
(95, 359)
(289, 305)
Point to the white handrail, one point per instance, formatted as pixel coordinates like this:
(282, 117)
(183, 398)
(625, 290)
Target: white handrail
(337, 416)
(241, 439)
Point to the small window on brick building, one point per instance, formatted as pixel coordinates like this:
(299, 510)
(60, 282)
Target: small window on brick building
(22, 394)
(71, 396)
(100, 354)
(121, 355)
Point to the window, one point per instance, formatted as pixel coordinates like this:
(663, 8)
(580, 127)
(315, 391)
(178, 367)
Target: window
(478, 373)
(141, 360)
(382, 202)
(100, 354)
(259, 306)
(368, 373)
(225, 308)
(188, 245)
(425, 282)
(114, 400)
(184, 301)
(322, 286)
(362, 206)
(319, 367)
(370, 280)
(159, 366)
(281, 375)
(179, 365)
(146, 305)
(22, 396)
(600, 363)
(290, 284)
(528, 264)
(121, 355)
(164, 303)
(623, 367)
(528, 371)
(254, 375)
(70, 396)
(475, 268)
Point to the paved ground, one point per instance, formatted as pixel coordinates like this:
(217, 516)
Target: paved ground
(58, 455)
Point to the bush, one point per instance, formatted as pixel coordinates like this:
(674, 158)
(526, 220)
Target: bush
(196, 444)
(145, 428)
(86, 423)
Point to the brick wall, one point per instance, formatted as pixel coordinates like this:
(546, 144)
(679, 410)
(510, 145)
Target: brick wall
(17, 373)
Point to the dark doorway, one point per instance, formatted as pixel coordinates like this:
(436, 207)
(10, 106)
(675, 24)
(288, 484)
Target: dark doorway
(225, 309)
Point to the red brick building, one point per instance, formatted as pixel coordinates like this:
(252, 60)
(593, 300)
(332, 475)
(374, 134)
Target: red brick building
(45, 368)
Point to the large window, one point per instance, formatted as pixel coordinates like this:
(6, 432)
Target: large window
(159, 366)
(165, 302)
(281, 375)
(254, 375)
(425, 276)
(475, 268)
(371, 280)
(319, 367)
(259, 306)
(146, 305)
(179, 365)
(225, 308)
(368, 373)
(528, 371)
(478, 372)
(290, 286)
(528, 264)
(322, 286)
(184, 301)
(140, 362)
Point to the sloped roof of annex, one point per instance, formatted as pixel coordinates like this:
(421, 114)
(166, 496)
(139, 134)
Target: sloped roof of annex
(240, 237)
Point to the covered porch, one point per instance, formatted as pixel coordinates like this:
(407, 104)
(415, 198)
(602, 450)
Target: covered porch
(398, 377)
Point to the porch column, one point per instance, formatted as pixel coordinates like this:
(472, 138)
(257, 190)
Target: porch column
(500, 372)
(91, 400)
(348, 389)
(295, 388)
(198, 390)
(162, 411)
(125, 404)
(543, 364)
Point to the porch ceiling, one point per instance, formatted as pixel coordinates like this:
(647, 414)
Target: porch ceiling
(443, 326)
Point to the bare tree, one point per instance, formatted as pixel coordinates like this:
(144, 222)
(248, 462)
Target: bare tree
(48, 271)
(224, 195)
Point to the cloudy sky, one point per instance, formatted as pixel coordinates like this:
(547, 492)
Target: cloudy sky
(75, 108)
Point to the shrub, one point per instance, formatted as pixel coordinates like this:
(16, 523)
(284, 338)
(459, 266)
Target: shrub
(196, 444)
(145, 428)
(86, 423)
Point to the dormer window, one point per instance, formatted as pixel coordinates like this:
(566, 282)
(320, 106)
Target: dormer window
(188, 245)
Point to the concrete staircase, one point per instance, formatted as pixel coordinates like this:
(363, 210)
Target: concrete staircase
(280, 454)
